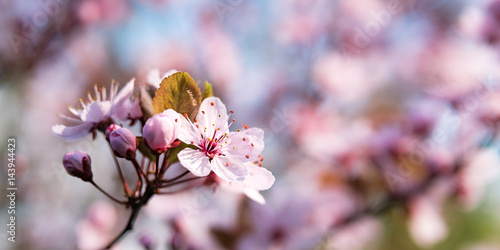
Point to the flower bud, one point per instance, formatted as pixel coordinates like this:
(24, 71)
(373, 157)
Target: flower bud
(110, 129)
(161, 130)
(77, 164)
(124, 143)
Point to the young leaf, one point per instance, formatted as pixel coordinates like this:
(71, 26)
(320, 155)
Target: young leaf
(208, 92)
(178, 92)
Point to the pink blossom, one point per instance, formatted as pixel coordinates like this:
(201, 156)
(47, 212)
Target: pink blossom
(161, 130)
(123, 142)
(78, 164)
(100, 110)
(217, 149)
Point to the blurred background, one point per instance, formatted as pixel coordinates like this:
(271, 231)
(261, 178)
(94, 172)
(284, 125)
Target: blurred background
(380, 120)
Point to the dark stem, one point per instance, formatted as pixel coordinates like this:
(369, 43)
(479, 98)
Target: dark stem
(136, 205)
(179, 182)
(165, 164)
(105, 193)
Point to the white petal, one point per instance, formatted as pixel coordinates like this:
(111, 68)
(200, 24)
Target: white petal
(258, 178)
(96, 112)
(72, 133)
(212, 115)
(153, 78)
(195, 161)
(255, 195)
(123, 108)
(229, 168)
(125, 92)
(188, 132)
(426, 225)
(249, 142)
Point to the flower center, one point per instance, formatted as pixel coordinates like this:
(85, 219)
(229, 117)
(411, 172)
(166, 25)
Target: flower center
(211, 147)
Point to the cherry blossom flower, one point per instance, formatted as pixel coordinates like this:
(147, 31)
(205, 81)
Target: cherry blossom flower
(100, 111)
(218, 150)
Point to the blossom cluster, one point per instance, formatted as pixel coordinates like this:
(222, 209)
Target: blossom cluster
(204, 146)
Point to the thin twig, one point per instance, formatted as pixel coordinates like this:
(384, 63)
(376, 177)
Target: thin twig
(175, 178)
(107, 194)
(165, 185)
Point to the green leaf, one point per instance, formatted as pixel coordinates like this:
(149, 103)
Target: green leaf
(208, 92)
(178, 92)
(145, 150)
(146, 104)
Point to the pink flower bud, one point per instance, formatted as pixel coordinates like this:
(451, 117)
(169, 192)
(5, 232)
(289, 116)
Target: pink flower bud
(110, 129)
(161, 130)
(123, 142)
(77, 164)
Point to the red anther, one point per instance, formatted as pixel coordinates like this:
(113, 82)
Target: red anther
(203, 112)
(175, 119)
(260, 164)
(231, 111)
(251, 144)
(212, 103)
(247, 156)
(234, 120)
(185, 115)
(245, 126)
(227, 164)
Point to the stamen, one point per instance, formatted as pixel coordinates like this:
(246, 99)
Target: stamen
(244, 139)
(245, 126)
(97, 94)
(247, 156)
(251, 144)
(227, 164)
(203, 112)
(103, 94)
(89, 97)
(212, 103)
(231, 111)
(83, 104)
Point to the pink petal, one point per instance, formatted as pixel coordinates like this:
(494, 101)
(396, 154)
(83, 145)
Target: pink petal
(123, 108)
(229, 168)
(212, 115)
(426, 225)
(195, 161)
(258, 178)
(72, 133)
(255, 195)
(188, 133)
(249, 142)
(96, 112)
